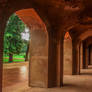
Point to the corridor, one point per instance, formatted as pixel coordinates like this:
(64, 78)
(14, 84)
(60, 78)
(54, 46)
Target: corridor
(15, 79)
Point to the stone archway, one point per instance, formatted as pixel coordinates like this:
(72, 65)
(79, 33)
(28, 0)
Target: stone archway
(77, 39)
(83, 37)
(38, 66)
(44, 54)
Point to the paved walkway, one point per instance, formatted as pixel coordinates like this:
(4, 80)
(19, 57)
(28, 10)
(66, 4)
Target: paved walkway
(15, 80)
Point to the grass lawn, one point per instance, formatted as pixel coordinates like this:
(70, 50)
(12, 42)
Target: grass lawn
(16, 58)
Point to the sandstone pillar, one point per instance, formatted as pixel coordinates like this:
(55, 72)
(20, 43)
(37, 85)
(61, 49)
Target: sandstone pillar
(55, 62)
(59, 61)
(3, 19)
(67, 56)
(81, 55)
(85, 57)
(90, 55)
(76, 59)
(52, 60)
(60, 43)
(38, 63)
(46, 59)
(1, 54)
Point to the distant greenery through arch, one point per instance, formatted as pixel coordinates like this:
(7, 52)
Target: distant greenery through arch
(16, 40)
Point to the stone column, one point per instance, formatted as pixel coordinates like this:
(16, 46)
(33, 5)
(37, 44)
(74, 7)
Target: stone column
(67, 56)
(81, 55)
(58, 63)
(85, 57)
(76, 58)
(46, 59)
(1, 54)
(90, 55)
(60, 43)
(55, 60)
(52, 59)
(3, 19)
(39, 62)
(61, 60)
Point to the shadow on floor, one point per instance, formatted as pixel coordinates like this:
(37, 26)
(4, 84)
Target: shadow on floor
(69, 85)
(86, 74)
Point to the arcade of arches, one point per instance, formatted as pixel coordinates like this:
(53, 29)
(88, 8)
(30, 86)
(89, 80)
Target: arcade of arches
(61, 38)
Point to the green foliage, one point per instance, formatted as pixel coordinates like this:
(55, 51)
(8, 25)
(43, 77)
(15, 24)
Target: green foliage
(13, 42)
(25, 45)
(16, 58)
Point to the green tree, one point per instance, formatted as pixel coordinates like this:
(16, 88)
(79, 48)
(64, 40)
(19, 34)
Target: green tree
(12, 39)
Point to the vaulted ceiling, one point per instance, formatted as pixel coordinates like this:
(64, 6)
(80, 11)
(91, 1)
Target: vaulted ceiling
(65, 14)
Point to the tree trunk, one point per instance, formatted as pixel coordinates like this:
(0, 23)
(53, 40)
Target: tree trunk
(10, 57)
(26, 57)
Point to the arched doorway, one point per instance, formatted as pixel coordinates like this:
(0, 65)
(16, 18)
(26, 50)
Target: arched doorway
(38, 61)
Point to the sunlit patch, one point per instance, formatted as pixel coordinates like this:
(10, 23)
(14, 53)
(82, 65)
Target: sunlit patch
(25, 35)
(67, 36)
(23, 69)
(23, 73)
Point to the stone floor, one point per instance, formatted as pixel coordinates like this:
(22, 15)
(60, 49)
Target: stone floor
(15, 79)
